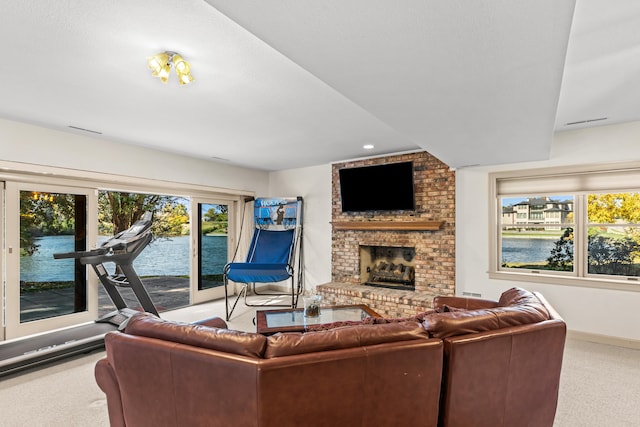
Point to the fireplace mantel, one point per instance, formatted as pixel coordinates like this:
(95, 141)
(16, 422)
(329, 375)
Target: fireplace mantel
(388, 225)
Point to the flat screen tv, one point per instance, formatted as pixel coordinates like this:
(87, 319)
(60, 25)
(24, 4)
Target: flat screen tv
(387, 187)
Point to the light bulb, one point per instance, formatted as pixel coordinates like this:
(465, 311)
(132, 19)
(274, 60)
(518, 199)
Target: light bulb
(185, 78)
(157, 61)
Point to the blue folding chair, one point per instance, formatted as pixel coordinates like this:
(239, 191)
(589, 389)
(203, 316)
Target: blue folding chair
(271, 258)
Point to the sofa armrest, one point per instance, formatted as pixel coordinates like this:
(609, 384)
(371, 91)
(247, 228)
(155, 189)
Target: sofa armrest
(108, 383)
(553, 314)
(463, 302)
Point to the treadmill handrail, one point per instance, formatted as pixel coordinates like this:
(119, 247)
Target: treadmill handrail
(121, 251)
(80, 254)
(116, 244)
(139, 230)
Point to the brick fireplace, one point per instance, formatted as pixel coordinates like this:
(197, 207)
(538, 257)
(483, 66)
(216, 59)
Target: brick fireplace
(423, 240)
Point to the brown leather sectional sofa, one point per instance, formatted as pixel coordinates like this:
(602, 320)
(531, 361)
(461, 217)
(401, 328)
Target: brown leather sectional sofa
(466, 363)
(502, 360)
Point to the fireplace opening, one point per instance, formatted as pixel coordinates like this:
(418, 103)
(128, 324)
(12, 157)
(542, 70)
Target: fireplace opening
(388, 267)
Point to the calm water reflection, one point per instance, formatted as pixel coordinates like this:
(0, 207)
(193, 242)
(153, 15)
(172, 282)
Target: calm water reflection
(515, 249)
(163, 257)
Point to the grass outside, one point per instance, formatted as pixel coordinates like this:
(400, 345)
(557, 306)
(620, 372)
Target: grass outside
(630, 270)
(539, 265)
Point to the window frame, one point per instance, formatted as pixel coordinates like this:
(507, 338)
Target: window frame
(578, 181)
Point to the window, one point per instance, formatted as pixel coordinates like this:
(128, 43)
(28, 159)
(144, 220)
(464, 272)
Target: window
(613, 232)
(532, 243)
(576, 226)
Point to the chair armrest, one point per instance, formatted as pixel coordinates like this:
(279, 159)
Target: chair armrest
(463, 302)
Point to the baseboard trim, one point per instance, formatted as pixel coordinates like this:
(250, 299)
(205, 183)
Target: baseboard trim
(604, 339)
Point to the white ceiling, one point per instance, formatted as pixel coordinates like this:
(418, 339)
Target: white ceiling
(292, 83)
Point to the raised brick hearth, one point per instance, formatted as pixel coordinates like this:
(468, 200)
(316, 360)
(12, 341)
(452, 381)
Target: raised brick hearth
(430, 229)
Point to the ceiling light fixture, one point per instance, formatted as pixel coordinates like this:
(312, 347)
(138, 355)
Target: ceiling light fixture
(160, 65)
(368, 146)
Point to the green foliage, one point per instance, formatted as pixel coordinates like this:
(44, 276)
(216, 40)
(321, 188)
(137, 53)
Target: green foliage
(614, 255)
(609, 255)
(561, 258)
(215, 220)
(45, 214)
(171, 220)
(117, 211)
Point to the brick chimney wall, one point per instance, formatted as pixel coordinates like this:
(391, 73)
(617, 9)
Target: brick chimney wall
(434, 184)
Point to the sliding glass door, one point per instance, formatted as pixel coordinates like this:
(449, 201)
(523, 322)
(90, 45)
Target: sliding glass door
(211, 243)
(44, 293)
(163, 266)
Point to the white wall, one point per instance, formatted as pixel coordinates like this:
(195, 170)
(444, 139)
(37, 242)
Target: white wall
(594, 311)
(314, 185)
(36, 145)
(587, 310)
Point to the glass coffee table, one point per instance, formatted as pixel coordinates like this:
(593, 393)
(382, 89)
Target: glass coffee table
(269, 322)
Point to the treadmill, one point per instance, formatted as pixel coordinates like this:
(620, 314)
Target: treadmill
(122, 249)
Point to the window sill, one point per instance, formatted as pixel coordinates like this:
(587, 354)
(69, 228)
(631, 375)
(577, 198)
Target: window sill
(618, 285)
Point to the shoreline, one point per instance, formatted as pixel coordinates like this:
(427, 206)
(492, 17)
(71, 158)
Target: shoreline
(530, 236)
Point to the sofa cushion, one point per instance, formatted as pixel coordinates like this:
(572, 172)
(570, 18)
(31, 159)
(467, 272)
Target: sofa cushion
(515, 307)
(229, 341)
(520, 297)
(289, 343)
(460, 322)
(339, 323)
(369, 321)
(415, 318)
(445, 308)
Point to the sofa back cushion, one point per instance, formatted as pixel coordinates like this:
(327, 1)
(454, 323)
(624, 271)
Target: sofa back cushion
(288, 343)
(229, 341)
(515, 307)
(520, 297)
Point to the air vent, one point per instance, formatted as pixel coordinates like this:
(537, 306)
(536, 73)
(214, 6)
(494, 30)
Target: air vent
(586, 121)
(472, 294)
(86, 130)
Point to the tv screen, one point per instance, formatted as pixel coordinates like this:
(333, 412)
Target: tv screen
(387, 187)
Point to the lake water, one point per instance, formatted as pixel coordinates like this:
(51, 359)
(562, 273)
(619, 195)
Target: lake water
(163, 257)
(526, 250)
(170, 257)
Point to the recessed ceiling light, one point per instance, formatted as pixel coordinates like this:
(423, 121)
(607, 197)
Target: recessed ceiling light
(368, 146)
